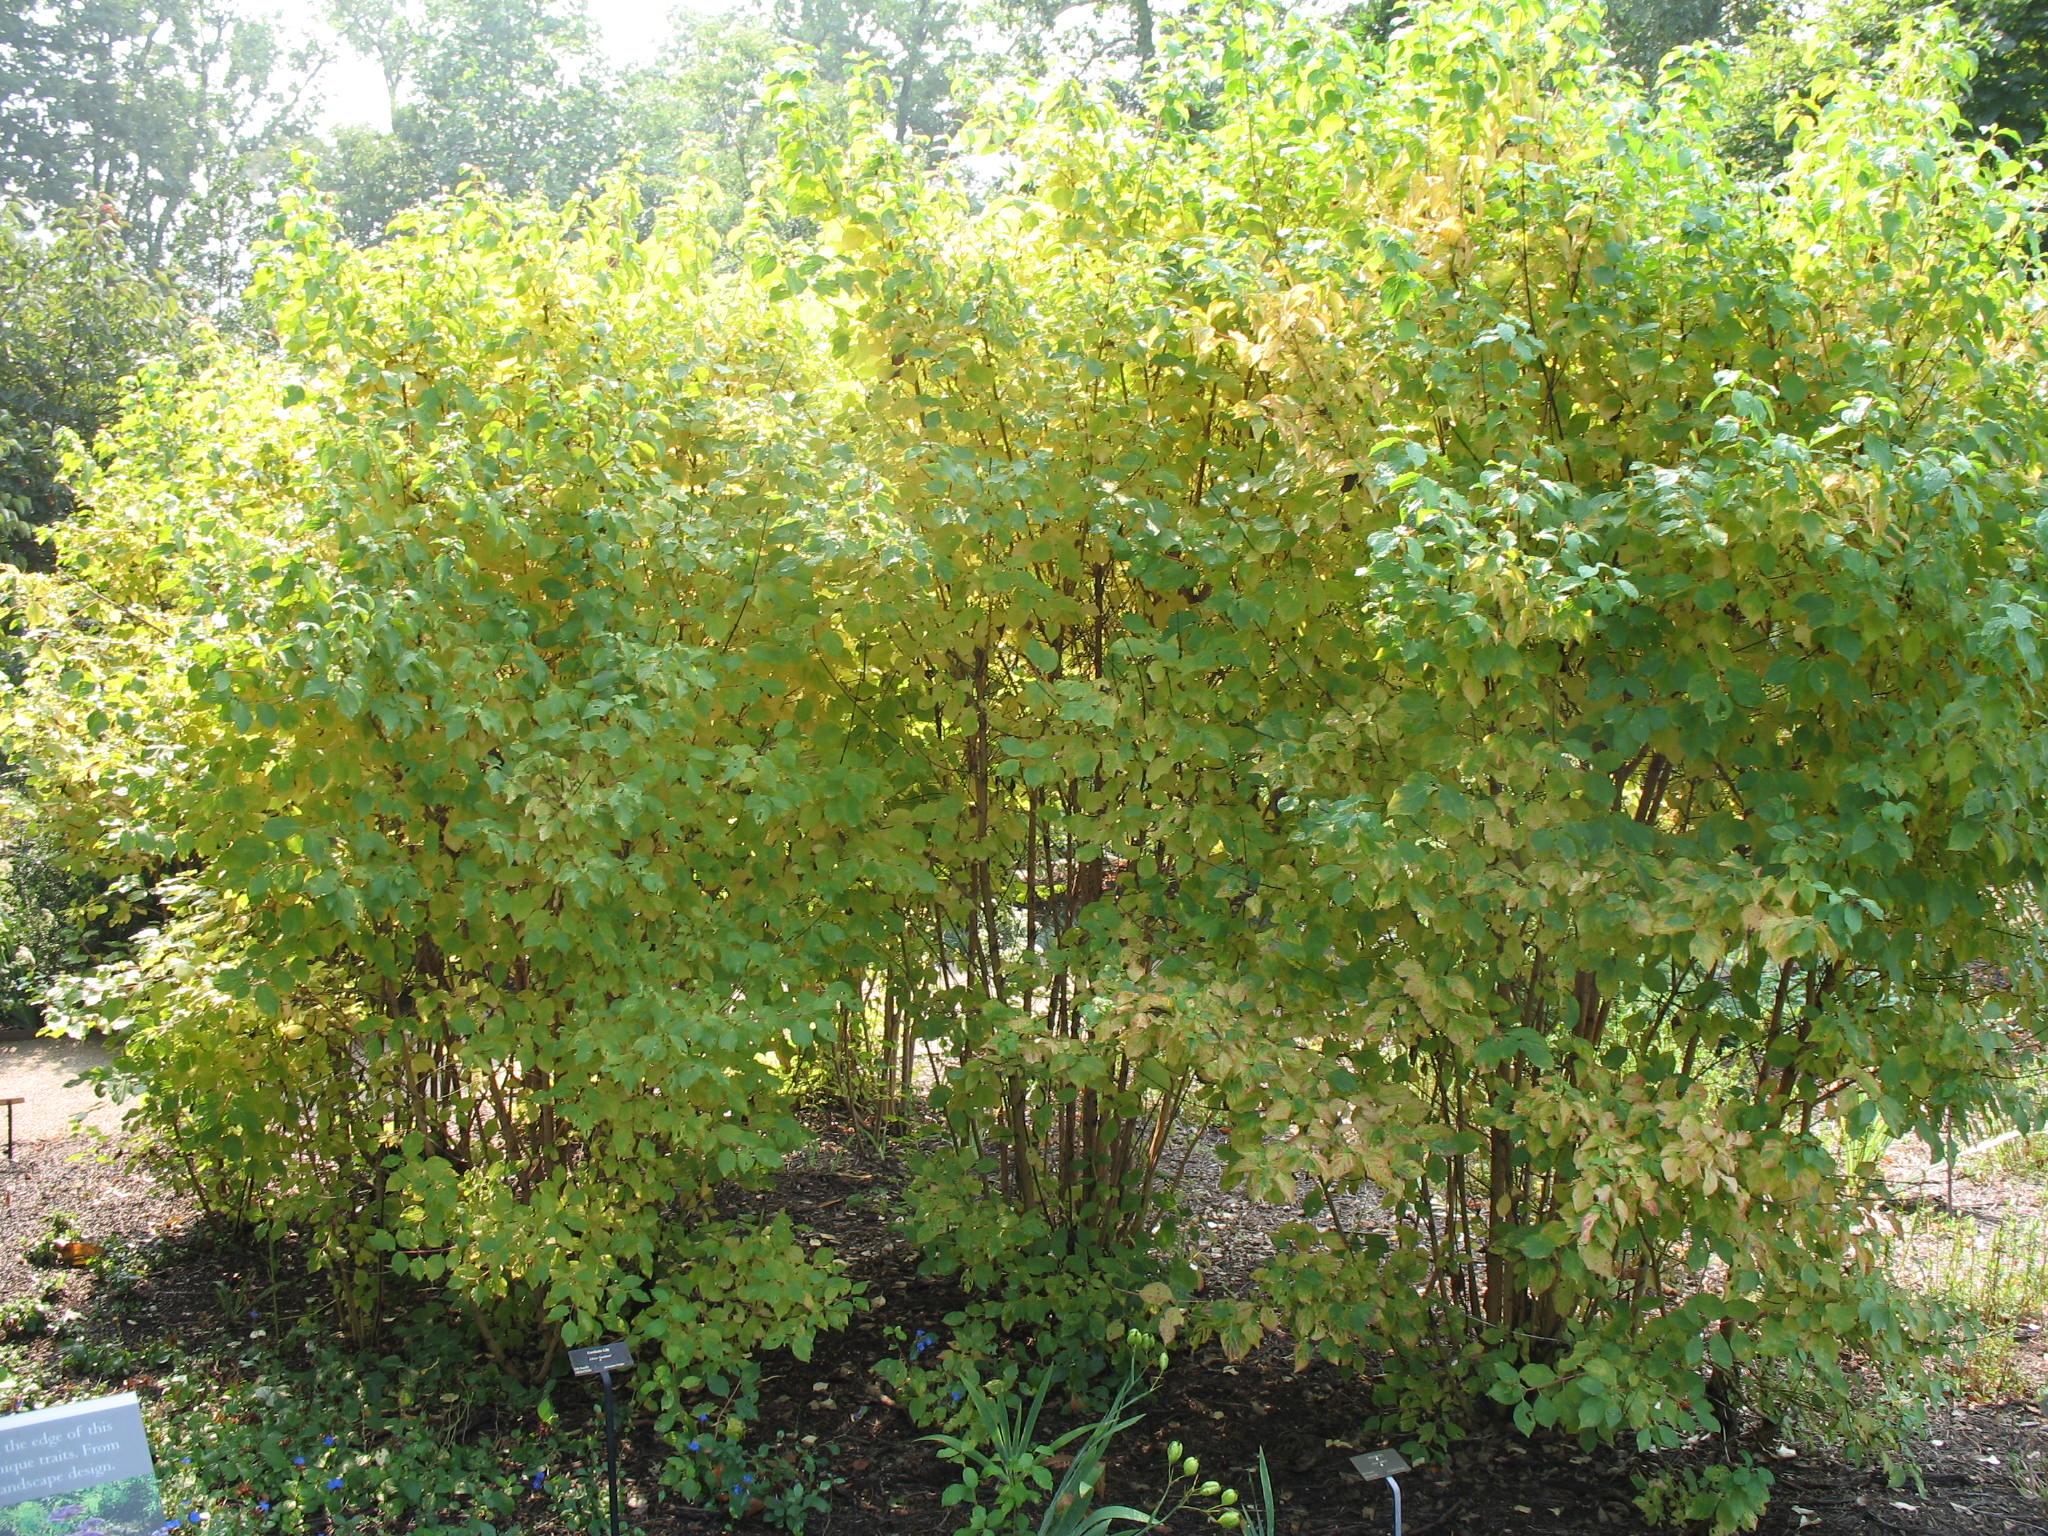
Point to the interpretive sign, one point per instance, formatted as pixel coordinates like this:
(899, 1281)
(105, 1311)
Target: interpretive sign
(79, 1470)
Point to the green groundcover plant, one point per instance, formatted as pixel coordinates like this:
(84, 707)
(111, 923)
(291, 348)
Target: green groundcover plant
(1389, 603)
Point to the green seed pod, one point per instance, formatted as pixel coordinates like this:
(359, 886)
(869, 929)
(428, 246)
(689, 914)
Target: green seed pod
(1190, 1467)
(1229, 1497)
(1230, 1519)
(1209, 1490)
(1173, 1451)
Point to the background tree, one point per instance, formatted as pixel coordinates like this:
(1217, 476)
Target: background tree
(515, 90)
(2011, 84)
(1644, 31)
(698, 110)
(173, 114)
(1082, 38)
(76, 317)
(387, 32)
(916, 44)
(1787, 50)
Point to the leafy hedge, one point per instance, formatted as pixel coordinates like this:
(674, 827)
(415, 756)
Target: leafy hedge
(1398, 608)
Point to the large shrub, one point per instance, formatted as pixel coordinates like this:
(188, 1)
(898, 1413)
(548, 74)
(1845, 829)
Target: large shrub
(1396, 606)
(376, 663)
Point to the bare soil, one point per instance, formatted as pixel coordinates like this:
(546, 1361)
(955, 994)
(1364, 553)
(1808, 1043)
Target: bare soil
(1308, 1423)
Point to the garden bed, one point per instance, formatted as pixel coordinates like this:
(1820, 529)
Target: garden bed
(165, 1302)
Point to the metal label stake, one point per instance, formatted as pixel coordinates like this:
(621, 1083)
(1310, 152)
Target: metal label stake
(1374, 1465)
(600, 1360)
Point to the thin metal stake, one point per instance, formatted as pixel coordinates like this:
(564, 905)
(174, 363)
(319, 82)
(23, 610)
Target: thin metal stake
(1375, 1465)
(611, 1455)
(600, 1360)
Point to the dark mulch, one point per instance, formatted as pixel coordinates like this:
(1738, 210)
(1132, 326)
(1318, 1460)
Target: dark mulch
(1308, 1423)
(96, 1183)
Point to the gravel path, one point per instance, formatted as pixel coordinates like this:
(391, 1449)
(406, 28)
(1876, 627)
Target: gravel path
(41, 1072)
(102, 1195)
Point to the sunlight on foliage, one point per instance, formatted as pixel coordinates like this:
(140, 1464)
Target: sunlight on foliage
(1399, 609)
(1992, 1276)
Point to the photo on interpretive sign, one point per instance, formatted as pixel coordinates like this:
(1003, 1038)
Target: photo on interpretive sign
(79, 1470)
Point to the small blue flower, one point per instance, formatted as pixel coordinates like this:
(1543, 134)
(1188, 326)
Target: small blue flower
(264, 1505)
(254, 1313)
(696, 1445)
(298, 1461)
(328, 1441)
(955, 1396)
(197, 1517)
(748, 1478)
(187, 1460)
(333, 1483)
